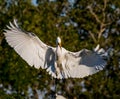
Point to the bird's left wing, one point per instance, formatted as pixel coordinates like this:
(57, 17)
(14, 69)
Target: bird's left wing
(80, 64)
(84, 63)
(29, 47)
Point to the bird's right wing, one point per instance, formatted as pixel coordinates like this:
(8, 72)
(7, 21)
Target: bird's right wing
(29, 47)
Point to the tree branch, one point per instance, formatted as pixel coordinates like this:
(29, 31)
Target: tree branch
(95, 16)
(102, 29)
(101, 22)
(93, 36)
(103, 10)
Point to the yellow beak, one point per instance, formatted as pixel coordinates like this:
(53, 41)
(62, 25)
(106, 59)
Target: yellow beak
(60, 45)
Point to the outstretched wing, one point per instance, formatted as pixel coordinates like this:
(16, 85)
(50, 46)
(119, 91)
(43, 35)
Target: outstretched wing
(29, 47)
(80, 64)
(88, 63)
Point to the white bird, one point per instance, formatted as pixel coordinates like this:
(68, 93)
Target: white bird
(59, 62)
(59, 97)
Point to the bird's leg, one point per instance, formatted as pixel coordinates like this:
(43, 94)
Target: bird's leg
(61, 70)
(55, 85)
(56, 70)
(59, 67)
(56, 73)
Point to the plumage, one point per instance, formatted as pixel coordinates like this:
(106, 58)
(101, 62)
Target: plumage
(58, 62)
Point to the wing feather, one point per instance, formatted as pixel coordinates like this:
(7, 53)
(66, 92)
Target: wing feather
(86, 64)
(28, 46)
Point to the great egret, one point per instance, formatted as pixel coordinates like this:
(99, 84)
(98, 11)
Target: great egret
(59, 62)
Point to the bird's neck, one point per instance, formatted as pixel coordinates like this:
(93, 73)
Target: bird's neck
(58, 52)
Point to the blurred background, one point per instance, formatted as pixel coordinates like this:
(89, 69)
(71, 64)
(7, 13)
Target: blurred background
(80, 24)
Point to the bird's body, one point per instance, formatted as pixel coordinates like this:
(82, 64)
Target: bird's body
(59, 62)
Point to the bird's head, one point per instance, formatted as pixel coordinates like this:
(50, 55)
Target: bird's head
(58, 41)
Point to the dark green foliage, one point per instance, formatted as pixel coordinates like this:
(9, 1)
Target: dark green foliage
(46, 22)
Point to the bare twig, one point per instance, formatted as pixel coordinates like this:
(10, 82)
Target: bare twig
(102, 29)
(91, 11)
(93, 36)
(103, 10)
(105, 5)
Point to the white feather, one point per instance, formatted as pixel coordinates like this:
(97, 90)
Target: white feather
(59, 62)
(29, 47)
